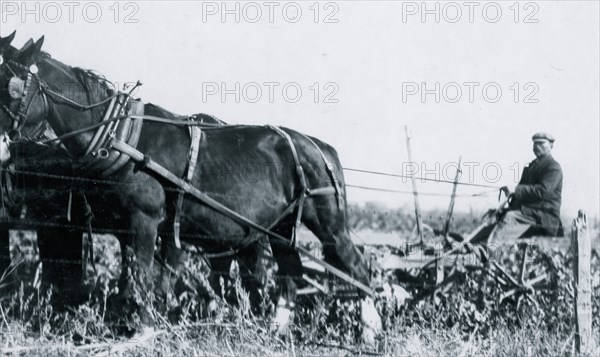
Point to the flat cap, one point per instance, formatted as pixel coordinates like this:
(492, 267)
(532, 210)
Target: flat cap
(542, 136)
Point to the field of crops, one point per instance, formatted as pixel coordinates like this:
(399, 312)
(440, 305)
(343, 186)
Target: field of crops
(466, 318)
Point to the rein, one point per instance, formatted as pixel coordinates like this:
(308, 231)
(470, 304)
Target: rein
(19, 118)
(143, 117)
(46, 89)
(122, 120)
(26, 100)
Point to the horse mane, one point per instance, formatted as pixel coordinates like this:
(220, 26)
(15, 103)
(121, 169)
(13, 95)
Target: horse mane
(90, 79)
(95, 86)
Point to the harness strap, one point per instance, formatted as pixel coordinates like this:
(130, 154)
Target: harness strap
(133, 117)
(119, 122)
(177, 220)
(289, 209)
(70, 206)
(131, 129)
(88, 243)
(94, 143)
(329, 167)
(238, 218)
(195, 136)
(23, 105)
(304, 190)
(301, 177)
(109, 127)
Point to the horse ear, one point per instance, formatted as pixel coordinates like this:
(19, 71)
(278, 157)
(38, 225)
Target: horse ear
(26, 45)
(28, 54)
(5, 41)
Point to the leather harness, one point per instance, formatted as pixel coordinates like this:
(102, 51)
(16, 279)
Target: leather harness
(304, 190)
(195, 136)
(100, 161)
(114, 144)
(105, 161)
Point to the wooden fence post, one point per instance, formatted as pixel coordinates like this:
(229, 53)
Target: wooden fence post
(580, 241)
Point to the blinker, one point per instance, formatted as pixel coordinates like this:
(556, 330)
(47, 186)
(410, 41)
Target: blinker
(14, 135)
(16, 87)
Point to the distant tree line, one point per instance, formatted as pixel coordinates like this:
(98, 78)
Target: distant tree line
(377, 217)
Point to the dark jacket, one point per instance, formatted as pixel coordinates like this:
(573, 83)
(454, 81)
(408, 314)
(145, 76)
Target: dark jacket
(538, 194)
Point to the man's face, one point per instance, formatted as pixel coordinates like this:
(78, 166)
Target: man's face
(542, 148)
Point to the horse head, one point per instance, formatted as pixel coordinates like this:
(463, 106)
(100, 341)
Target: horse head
(45, 98)
(5, 50)
(22, 103)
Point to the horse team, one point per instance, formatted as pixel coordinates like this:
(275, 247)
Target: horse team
(43, 99)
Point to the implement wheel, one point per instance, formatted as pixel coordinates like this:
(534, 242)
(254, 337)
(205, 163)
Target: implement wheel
(525, 272)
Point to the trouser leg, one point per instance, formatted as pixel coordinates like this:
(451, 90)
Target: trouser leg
(511, 226)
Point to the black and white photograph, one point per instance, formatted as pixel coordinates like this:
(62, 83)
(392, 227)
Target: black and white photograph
(299, 178)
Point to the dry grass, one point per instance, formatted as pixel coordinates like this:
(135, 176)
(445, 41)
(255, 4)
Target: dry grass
(253, 337)
(323, 326)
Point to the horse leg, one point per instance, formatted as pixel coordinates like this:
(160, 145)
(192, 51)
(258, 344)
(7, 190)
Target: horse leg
(328, 223)
(253, 271)
(289, 270)
(137, 251)
(219, 277)
(172, 264)
(172, 259)
(60, 253)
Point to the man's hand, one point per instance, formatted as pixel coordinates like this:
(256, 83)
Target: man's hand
(506, 206)
(504, 190)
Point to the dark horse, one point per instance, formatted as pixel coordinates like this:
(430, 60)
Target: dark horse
(249, 169)
(52, 206)
(47, 204)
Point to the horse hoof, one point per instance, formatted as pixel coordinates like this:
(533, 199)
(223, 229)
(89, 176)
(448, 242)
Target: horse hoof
(282, 319)
(143, 333)
(394, 294)
(212, 307)
(369, 336)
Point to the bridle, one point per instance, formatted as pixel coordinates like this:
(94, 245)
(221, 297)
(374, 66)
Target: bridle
(27, 96)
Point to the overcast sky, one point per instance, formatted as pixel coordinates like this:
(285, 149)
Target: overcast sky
(365, 70)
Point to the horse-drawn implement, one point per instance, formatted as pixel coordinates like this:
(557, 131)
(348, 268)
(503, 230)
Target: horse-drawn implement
(522, 268)
(136, 184)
